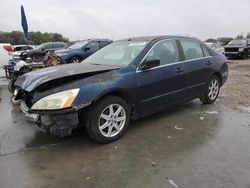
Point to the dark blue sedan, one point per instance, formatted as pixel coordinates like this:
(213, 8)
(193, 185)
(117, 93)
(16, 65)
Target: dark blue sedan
(125, 80)
(81, 50)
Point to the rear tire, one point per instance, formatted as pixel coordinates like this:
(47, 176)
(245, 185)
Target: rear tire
(244, 55)
(108, 119)
(212, 90)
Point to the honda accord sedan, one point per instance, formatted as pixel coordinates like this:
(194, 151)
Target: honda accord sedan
(128, 79)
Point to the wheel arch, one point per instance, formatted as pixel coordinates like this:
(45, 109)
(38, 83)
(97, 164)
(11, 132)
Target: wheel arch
(119, 93)
(218, 74)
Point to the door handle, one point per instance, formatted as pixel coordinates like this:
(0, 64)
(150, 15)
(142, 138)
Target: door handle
(209, 62)
(179, 70)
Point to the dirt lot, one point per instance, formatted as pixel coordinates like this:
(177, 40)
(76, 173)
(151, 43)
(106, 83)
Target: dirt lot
(193, 145)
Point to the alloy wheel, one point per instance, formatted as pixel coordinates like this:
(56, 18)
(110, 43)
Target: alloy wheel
(112, 120)
(213, 89)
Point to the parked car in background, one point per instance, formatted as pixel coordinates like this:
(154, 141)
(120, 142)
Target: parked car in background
(238, 48)
(216, 47)
(19, 49)
(5, 56)
(81, 50)
(127, 79)
(39, 52)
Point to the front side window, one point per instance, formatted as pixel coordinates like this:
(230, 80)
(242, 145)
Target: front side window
(48, 46)
(166, 51)
(93, 46)
(78, 45)
(191, 49)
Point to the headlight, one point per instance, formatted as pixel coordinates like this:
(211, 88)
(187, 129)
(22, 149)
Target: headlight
(56, 101)
(241, 49)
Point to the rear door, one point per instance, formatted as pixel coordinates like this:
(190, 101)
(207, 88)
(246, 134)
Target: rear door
(198, 66)
(162, 85)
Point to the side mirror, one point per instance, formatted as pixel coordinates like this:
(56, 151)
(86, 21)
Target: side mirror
(86, 49)
(148, 64)
(42, 49)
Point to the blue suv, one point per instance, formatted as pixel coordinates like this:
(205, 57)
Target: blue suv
(81, 50)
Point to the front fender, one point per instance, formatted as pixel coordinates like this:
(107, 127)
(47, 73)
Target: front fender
(98, 86)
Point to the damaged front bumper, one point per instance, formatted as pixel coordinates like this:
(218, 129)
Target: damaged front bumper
(57, 122)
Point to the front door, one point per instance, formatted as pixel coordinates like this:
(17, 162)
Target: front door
(163, 85)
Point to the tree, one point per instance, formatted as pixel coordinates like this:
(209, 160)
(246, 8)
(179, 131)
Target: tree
(240, 36)
(16, 37)
(248, 35)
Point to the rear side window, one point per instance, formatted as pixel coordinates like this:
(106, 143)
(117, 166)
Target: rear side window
(166, 51)
(93, 46)
(103, 43)
(58, 45)
(191, 49)
(48, 46)
(206, 52)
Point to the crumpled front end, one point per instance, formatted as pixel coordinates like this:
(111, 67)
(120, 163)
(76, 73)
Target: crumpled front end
(57, 122)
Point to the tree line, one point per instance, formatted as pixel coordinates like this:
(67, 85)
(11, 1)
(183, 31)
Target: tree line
(36, 38)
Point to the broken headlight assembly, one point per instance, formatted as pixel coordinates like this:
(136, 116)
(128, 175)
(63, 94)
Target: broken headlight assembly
(56, 101)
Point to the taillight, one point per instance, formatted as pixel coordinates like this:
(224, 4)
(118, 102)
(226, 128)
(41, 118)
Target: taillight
(8, 48)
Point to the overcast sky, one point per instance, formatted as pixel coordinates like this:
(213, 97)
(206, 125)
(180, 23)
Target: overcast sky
(81, 19)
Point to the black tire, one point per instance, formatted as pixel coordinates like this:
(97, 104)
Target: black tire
(207, 98)
(24, 70)
(11, 86)
(93, 119)
(244, 55)
(75, 60)
(37, 58)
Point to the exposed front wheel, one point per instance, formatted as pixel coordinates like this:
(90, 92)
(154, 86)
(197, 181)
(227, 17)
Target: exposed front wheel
(11, 86)
(108, 119)
(212, 90)
(75, 60)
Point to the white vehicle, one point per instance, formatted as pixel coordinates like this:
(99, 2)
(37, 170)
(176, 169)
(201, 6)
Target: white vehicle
(18, 49)
(216, 47)
(5, 56)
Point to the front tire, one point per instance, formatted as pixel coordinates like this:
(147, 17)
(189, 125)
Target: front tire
(11, 86)
(108, 119)
(75, 60)
(212, 90)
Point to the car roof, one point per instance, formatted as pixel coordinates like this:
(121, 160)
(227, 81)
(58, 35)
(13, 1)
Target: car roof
(54, 43)
(21, 45)
(150, 38)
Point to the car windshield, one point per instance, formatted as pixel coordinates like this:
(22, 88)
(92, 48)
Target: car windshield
(237, 42)
(117, 53)
(78, 45)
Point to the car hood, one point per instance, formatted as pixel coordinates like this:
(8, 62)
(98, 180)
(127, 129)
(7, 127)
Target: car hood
(62, 73)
